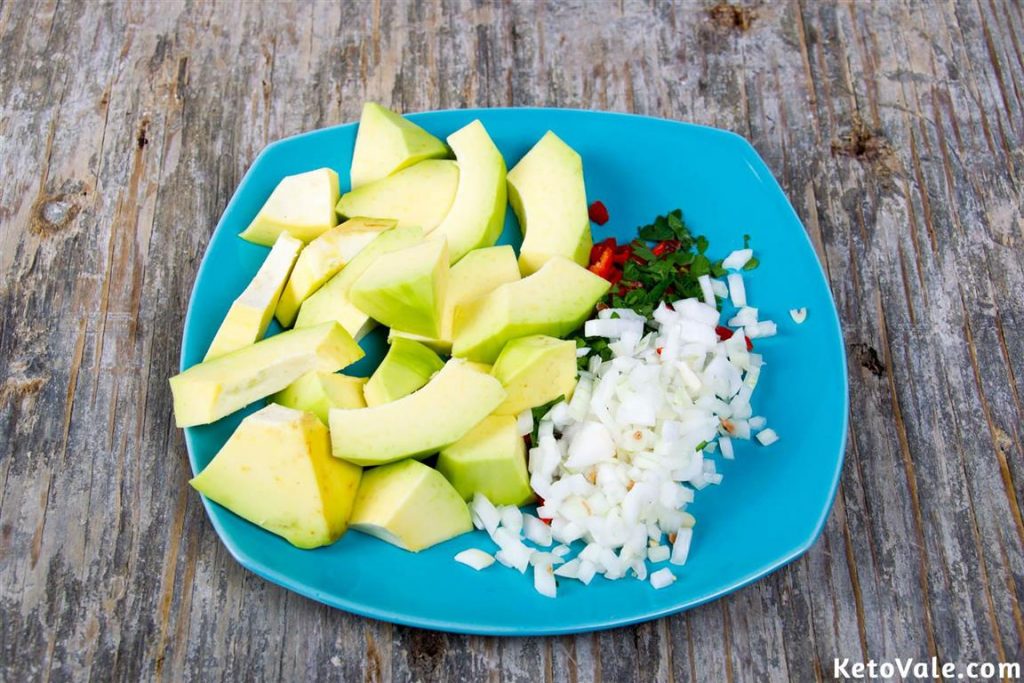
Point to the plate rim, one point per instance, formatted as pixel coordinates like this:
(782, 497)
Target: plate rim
(764, 173)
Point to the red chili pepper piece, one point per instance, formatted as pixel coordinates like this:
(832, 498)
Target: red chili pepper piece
(598, 213)
(725, 333)
(603, 266)
(540, 503)
(622, 254)
(614, 276)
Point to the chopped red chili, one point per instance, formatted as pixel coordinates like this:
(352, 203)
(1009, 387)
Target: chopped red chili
(598, 213)
(540, 503)
(725, 333)
(603, 265)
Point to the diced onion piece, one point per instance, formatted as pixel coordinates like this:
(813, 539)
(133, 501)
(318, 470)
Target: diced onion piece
(737, 290)
(765, 328)
(681, 546)
(582, 351)
(737, 259)
(524, 422)
(484, 511)
(569, 570)
(798, 315)
(725, 443)
(707, 290)
(662, 578)
(511, 518)
(757, 422)
(475, 558)
(659, 553)
(544, 580)
(586, 572)
(767, 437)
(536, 531)
(720, 288)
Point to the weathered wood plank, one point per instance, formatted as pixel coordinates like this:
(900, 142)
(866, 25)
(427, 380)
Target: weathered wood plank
(896, 127)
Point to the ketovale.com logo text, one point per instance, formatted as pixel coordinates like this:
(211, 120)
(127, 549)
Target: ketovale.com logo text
(923, 669)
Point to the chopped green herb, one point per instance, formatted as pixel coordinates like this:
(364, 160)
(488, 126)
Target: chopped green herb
(746, 241)
(538, 414)
(751, 264)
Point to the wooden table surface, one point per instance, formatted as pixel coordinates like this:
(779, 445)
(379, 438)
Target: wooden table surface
(896, 127)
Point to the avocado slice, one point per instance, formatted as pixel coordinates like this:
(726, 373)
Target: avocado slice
(207, 392)
(331, 301)
(409, 505)
(318, 392)
(554, 301)
(405, 289)
(419, 424)
(490, 459)
(276, 471)
(301, 205)
(418, 196)
(324, 257)
(547, 192)
(477, 215)
(535, 370)
(386, 142)
(407, 366)
(249, 316)
(479, 271)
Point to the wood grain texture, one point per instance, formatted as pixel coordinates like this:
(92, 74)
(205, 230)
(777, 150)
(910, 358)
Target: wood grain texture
(895, 126)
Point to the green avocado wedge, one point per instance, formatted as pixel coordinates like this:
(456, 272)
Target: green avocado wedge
(440, 413)
(407, 366)
(207, 392)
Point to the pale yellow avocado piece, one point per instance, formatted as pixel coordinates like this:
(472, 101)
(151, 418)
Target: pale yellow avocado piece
(407, 366)
(207, 392)
(490, 459)
(419, 424)
(535, 370)
(331, 302)
(477, 215)
(318, 392)
(479, 271)
(276, 471)
(324, 257)
(301, 205)
(547, 193)
(554, 301)
(386, 142)
(249, 316)
(406, 289)
(418, 196)
(409, 505)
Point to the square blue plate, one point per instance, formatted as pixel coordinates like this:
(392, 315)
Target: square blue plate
(773, 502)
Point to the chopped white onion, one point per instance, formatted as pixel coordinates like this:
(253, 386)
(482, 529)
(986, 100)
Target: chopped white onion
(707, 290)
(536, 531)
(799, 315)
(475, 558)
(659, 553)
(765, 328)
(737, 290)
(725, 443)
(544, 580)
(681, 546)
(737, 259)
(662, 578)
(767, 437)
(524, 422)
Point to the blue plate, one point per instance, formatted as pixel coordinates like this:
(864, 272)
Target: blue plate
(773, 502)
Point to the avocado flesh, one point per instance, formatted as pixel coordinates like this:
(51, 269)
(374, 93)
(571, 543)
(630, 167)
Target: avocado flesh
(332, 302)
(440, 413)
(547, 193)
(535, 370)
(301, 205)
(405, 289)
(322, 258)
(277, 472)
(249, 316)
(419, 196)
(409, 505)
(207, 392)
(479, 272)
(490, 459)
(387, 142)
(553, 301)
(407, 366)
(318, 392)
(477, 214)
